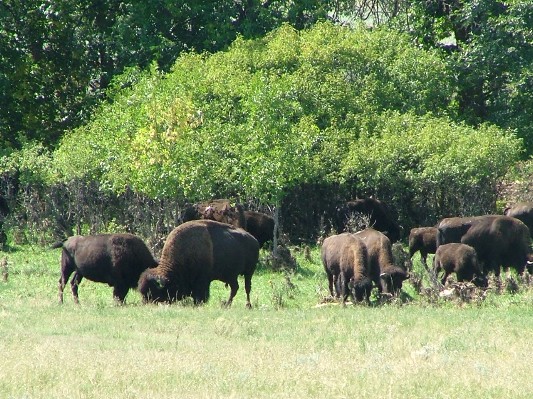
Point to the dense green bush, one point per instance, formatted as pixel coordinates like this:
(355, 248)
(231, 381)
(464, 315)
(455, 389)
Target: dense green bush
(362, 110)
(255, 120)
(431, 167)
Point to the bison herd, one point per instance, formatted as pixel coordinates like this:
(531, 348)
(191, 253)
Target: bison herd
(221, 241)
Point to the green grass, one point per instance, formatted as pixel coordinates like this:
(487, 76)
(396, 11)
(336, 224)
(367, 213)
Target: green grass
(286, 346)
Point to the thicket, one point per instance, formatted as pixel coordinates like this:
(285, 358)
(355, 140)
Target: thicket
(299, 120)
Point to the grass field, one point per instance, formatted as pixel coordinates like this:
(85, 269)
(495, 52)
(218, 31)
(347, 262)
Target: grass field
(285, 347)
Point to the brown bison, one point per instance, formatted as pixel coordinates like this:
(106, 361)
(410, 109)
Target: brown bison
(500, 241)
(522, 211)
(460, 259)
(220, 210)
(423, 239)
(115, 259)
(387, 276)
(378, 212)
(260, 225)
(196, 253)
(344, 257)
(452, 229)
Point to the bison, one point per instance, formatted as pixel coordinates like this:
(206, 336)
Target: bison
(452, 229)
(378, 212)
(423, 239)
(460, 259)
(196, 253)
(522, 211)
(220, 210)
(115, 259)
(500, 241)
(260, 225)
(387, 276)
(344, 257)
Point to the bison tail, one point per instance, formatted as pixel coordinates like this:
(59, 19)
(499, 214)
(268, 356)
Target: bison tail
(58, 244)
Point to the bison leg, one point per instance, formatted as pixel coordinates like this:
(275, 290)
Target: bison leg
(62, 283)
(445, 277)
(119, 293)
(234, 287)
(74, 283)
(337, 286)
(331, 279)
(343, 288)
(424, 258)
(200, 292)
(248, 288)
(67, 268)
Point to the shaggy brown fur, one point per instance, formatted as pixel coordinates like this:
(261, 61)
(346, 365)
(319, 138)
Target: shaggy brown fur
(387, 276)
(115, 259)
(423, 239)
(260, 225)
(522, 211)
(220, 210)
(500, 241)
(460, 259)
(453, 229)
(196, 253)
(344, 257)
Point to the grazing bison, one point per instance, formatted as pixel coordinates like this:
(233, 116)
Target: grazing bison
(460, 259)
(452, 229)
(344, 257)
(500, 241)
(115, 259)
(379, 214)
(260, 225)
(220, 210)
(423, 239)
(387, 276)
(522, 211)
(196, 253)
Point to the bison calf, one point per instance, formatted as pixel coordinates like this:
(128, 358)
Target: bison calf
(344, 257)
(423, 240)
(115, 259)
(196, 253)
(460, 259)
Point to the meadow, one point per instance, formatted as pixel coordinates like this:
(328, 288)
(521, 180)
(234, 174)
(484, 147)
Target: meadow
(290, 344)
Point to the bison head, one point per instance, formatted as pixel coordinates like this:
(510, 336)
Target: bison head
(155, 288)
(361, 289)
(392, 280)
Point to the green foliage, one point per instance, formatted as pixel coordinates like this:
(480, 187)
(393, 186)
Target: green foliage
(31, 164)
(430, 161)
(491, 46)
(264, 116)
(57, 58)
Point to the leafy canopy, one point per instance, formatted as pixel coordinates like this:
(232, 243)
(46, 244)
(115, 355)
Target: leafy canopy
(266, 115)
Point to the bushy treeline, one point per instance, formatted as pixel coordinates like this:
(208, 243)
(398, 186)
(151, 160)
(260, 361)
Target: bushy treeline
(301, 120)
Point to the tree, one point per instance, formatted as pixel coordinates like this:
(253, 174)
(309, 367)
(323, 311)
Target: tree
(58, 58)
(489, 44)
